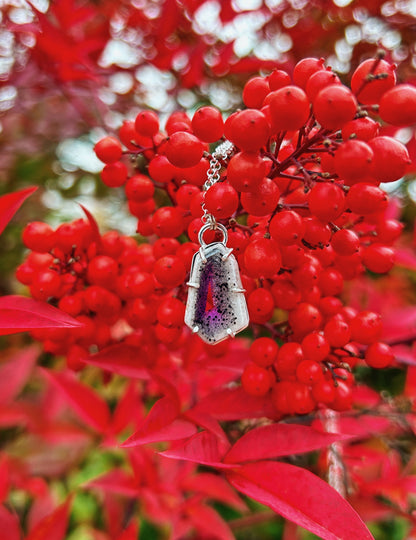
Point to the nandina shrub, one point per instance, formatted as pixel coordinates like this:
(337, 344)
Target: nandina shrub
(300, 196)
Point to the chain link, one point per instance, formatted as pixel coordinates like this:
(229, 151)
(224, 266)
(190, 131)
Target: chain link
(223, 151)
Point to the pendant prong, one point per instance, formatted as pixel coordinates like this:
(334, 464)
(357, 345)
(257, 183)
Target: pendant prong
(230, 332)
(193, 284)
(238, 290)
(201, 252)
(195, 329)
(227, 254)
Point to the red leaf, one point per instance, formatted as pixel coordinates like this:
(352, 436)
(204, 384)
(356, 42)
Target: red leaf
(204, 448)
(89, 406)
(399, 325)
(19, 314)
(131, 533)
(121, 359)
(206, 520)
(4, 477)
(207, 422)
(96, 237)
(214, 487)
(301, 497)
(129, 409)
(163, 412)
(405, 258)
(117, 482)
(360, 426)
(162, 424)
(52, 527)
(235, 404)
(279, 440)
(15, 371)
(10, 204)
(9, 522)
(178, 429)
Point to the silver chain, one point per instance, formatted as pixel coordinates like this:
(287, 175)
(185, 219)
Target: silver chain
(223, 151)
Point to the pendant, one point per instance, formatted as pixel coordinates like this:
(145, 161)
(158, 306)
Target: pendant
(216, 306)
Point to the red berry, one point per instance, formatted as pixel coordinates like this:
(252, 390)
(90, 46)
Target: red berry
(178, 118)
(326, 201)
(263, 201)
(365, 199)
(388, 230)
(195, 175)
(184, 149)
(285, 294)
(114, 174)
(108, 150)
(167, 335)
(207, 124)
(140, 284)
(363, 129)
(353, 160)
(334, 106)
(161, 170)
(316, 232)
(170, 271)
(289, 108)
(379, 355)
(306, 275)
(139, 188)
(309, 372)
(315, 347)
(262, 258)
(378, 258)
(171, 312)
(165, 246)
(221, 200)
(102, 270)
(288, 357)
(345, 242)
(256, 380)
(300, 400)
(263, 351)
(45, 284)
(318, 80)
(391, 158)
(305, 318)
(343, 397)
(331, 282)
(366, 327)
(260, 305)
(278, 78)
(168, 222)
(366, 82)
(249, 130)
(38, 236)
(128, 135)
(141, 210)
(398, 105)
(337, 332)
(246, 171)
(287, 227)
(305, 68)
(254, 92)
(147, 123)
(323, 391)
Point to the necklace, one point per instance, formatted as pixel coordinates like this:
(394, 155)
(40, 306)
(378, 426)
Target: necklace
(216, 307)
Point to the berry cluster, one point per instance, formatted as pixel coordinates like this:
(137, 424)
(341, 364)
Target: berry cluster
(301, 200)
(109, 283)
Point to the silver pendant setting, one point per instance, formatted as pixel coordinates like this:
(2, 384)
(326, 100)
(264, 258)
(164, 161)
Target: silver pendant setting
(216, 308)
